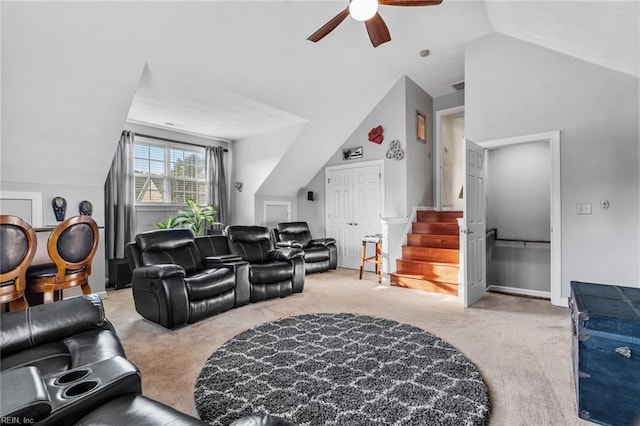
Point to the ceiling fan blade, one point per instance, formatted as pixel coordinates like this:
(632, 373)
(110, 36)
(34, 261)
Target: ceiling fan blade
(409, 2)
(378, 31)
(329, 26)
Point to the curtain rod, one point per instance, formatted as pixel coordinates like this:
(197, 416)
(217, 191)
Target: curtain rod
(172, 140)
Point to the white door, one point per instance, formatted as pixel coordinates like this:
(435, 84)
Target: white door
(354, 208)
(475, 230)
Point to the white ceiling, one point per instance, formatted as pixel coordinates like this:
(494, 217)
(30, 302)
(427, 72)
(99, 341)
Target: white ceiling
(73, 71)
(605, 33)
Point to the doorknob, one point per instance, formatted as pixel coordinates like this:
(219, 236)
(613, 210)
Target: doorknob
(467, 231)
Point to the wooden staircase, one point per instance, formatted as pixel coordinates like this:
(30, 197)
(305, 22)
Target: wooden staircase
(430, 260)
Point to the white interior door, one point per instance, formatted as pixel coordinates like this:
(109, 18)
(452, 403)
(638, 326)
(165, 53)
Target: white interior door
(354, 208)
(339, 213)
(475, 231)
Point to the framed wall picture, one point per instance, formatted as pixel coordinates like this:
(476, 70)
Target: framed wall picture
(352, 153)
(421, 127)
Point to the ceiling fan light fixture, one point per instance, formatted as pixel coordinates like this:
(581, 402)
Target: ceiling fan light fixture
(363, 10)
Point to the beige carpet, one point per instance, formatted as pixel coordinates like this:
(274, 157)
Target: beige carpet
(521, 346)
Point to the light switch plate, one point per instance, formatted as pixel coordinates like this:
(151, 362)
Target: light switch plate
(583, 208)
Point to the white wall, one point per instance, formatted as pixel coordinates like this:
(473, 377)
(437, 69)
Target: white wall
(74, 194)
(515, 88)
(390, 114)
(253, 159)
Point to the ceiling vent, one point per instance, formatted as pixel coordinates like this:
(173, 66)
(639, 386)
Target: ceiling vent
(458, 86)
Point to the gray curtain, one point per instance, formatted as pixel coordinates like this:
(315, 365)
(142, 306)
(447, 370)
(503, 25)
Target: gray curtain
(118, 198)
(217, 179)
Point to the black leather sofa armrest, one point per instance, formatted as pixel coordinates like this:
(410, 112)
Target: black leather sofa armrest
(50, 322)
(160, 294)
(322, 241)
(285, 254)
(133, 409)
(24, 398)
(219, 261)
(290, 243)
(164, 270)
(240, 269)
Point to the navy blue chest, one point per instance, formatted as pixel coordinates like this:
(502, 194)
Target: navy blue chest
(606, 352)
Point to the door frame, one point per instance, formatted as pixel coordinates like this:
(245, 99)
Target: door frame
(554, 138)
(437, 151)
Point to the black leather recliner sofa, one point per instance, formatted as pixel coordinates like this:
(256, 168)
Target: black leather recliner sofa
(320, 254)
(62, 364)
(173, 284)
(273, 272)
(60, 361)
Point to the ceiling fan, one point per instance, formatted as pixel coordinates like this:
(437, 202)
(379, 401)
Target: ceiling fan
(367, 11)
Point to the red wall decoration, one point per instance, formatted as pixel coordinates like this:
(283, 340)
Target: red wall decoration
(375, 135)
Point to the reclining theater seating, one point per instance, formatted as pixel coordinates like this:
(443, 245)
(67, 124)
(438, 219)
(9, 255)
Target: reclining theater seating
(62, 360)
(63, 364)
(173, 284)
(320, 254)
(273, 272)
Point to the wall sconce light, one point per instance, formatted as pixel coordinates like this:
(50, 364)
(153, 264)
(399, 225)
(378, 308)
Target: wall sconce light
(310, 195)
(461, 194)
(238, 186)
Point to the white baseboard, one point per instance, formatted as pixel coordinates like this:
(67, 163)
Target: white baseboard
(520, 291)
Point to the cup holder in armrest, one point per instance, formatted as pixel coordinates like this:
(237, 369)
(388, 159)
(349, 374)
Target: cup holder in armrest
(72, 376)
(80, 388)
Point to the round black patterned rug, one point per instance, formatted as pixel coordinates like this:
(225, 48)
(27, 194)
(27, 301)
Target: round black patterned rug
(341, 369)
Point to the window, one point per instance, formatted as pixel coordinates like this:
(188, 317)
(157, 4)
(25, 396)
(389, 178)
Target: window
(168, 174)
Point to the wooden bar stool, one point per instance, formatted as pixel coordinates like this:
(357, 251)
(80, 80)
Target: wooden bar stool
(375, 259)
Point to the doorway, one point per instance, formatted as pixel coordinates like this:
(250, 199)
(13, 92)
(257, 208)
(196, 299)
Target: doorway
(449, 158)
(354, 206)
(553, 164)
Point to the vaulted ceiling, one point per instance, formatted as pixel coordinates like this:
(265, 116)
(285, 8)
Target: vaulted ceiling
(72, 72)
(604, 33)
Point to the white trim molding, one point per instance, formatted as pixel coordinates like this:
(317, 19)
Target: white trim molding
(519, 291)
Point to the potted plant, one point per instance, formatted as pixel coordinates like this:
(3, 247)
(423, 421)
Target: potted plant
(169, 222)
(195, 217)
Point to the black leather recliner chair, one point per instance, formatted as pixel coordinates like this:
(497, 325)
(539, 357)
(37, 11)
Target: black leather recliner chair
(60, 361)
(273, 272)
(320, 254)
(63, 364)
(173, 284)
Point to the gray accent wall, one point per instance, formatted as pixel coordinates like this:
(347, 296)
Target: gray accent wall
(408, 182)
(420, 190)
(515, 88)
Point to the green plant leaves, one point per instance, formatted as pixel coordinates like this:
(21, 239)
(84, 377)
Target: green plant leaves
(195, 218)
